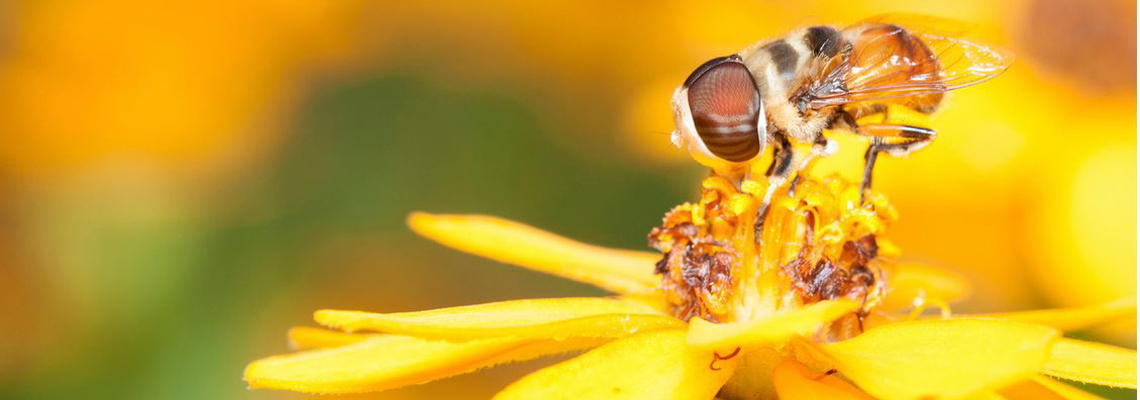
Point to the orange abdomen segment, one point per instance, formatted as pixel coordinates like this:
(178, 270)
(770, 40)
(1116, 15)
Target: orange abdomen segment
(888, 56)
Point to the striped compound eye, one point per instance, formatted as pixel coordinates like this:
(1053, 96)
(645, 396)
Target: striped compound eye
(726, 110)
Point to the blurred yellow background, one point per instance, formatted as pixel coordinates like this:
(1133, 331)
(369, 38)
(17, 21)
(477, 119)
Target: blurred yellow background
(182, 181)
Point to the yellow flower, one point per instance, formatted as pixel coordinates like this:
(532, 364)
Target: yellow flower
(807, 314)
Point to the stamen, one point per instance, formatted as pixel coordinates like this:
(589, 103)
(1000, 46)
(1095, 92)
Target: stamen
(861, 314)
(718, 357)
(826, 249)
(920, 304)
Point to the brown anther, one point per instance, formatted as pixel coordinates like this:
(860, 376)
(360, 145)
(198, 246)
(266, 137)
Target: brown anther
(718, 357)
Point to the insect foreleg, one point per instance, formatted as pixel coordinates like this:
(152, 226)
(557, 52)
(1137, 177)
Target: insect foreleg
(777, 174)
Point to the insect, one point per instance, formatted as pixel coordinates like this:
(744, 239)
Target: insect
(881, 78)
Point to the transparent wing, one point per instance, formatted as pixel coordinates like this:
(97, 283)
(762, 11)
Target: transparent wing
(906, 55)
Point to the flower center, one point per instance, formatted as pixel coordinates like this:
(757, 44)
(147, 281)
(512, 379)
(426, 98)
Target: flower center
(818, 243)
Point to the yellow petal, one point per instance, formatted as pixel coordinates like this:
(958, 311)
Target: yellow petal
(1043, 388)
(794, 382)
(655, 302)
(304, 338)
(1071, 319)
(912, 281)
(986, 396)
(385, 362)
(1064, 391)
(654, 365)
(803, 321)
(941, 358)
(619, 271)
(533, 318)
(753, 376)
(1090, 362)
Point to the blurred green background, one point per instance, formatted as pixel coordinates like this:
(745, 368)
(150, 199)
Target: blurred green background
(181, 182)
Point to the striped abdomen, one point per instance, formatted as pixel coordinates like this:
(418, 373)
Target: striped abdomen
(888, 56)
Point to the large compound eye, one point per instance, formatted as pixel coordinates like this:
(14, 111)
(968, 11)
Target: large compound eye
(726, 108)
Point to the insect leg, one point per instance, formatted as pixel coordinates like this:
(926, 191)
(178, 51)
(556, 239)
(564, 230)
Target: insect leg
(868, 166)
(781, 156)
(792, 187)
(897, 140)
(777, 174)
(821, 147)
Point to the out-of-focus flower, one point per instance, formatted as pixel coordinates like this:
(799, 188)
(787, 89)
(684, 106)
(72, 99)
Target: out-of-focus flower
(1083, 227)
(805, 315)
(120, 119)
(1093, 44)
(191, 89)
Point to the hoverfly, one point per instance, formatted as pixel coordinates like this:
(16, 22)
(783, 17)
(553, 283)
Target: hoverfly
(881, 78)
